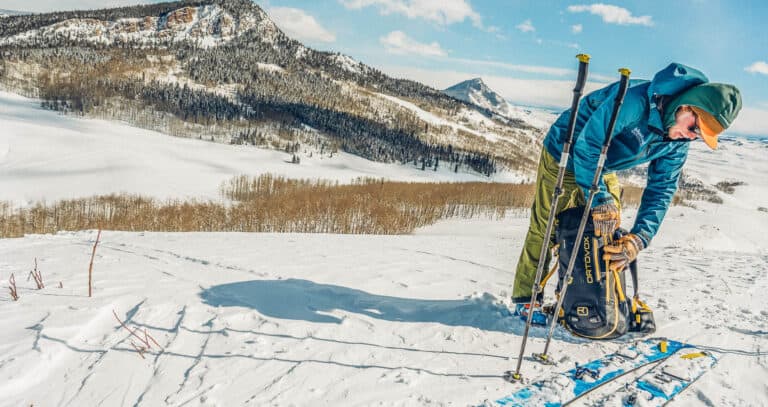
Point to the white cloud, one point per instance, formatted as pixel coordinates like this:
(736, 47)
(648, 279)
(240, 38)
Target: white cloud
(526, 26)
(397, 42)
(612, 14)
(300, 25)
(750, 121)
(550, 93)
(577, 28)
(758, 67)
(546, 70)
(442, 12)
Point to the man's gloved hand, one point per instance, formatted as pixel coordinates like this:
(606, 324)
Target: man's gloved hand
(623, 251)
(606, 219)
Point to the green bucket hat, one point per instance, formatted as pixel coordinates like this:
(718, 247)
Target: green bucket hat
(722, 102)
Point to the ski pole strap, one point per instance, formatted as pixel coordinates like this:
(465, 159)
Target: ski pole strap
(544, 281)
(636, 301)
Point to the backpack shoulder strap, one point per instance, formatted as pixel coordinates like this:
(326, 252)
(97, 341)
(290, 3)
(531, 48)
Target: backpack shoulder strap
(633, 271)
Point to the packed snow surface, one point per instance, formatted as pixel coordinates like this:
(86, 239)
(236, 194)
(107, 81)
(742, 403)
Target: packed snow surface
(44, 155)
(302, 319)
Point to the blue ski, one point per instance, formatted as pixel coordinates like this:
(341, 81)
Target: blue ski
(661, 384)
(564, 388)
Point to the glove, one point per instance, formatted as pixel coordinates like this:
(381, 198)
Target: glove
(623, 251)
(606, 219)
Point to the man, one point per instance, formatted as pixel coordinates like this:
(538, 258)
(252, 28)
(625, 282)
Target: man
(658, 120)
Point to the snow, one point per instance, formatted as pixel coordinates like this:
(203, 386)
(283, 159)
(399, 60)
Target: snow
(303, 319)
(347, 63)
(475, 91)
(433, 119)
(270, 67)
(74, 157)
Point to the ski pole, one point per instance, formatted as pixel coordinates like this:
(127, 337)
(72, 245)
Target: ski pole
(581, 79)
(623, 84)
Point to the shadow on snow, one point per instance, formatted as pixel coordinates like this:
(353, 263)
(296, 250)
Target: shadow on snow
(305, 300)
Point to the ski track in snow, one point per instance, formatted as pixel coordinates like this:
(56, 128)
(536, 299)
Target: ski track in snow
(352, 320)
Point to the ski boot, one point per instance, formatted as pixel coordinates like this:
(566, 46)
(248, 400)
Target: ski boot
(539, 317)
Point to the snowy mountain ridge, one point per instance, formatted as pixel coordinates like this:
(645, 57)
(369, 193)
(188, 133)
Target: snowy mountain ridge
(223, 70)
(209, 25)
(8, 13)
(475, 91)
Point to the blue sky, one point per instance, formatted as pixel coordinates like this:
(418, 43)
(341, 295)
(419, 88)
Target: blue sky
(525, 49)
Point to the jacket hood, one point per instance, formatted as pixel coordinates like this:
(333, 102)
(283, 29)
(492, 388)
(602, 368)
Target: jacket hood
(720, 100)
(671, 81)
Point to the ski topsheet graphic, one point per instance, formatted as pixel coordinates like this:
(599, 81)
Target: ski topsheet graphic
(661, 384)
(565, 387)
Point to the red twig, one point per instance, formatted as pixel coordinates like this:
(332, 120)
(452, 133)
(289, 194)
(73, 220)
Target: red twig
(140, 350)
(149, 337)
(37, 276)
(12, 287)
(145, 341)
(90, 267)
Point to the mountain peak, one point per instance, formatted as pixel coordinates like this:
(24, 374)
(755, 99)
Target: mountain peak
(475, 91)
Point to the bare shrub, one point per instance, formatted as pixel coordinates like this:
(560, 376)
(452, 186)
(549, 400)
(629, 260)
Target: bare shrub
(631, 196)
(729, 187)
(692, 189)
(275, 204)
(12, 288)
(37, 276)
(145, 341)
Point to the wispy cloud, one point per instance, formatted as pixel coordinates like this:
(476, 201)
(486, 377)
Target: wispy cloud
(532, 69)
(397, 42)
(577, 28)
(443, 12)
(526, 26)
(612, 14)
(545, 70)
(300, 25)
(758, 67)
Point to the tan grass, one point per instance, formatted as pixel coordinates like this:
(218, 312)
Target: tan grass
(275, 204)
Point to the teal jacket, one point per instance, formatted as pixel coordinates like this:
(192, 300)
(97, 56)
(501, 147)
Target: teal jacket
(639, 137)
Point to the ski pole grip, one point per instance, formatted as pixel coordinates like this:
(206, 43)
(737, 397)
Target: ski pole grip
(581, 79)
(623, 83)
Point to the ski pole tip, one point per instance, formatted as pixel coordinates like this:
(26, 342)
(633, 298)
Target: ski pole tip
(583, 58)
(625, 72)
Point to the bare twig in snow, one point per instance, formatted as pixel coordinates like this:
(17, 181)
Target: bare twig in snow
(12, 287)
(90, 267)
(37, 276)
(145, 341)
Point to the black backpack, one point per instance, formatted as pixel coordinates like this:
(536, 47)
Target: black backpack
(596, 305)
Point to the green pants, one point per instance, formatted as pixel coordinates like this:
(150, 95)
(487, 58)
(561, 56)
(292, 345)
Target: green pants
(546, 179)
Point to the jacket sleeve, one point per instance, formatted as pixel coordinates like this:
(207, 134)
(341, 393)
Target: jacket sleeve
(586, 149)
(663, 176)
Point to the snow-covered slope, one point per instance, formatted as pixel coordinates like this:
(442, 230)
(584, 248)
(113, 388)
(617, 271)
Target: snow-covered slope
(297, 319)
(76, 157)
(475, 91)
(270, 319)
(8, 13)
